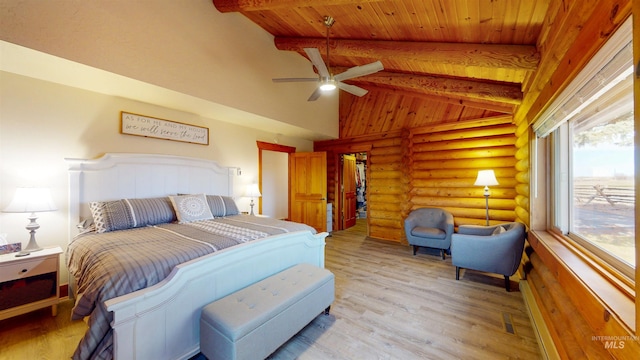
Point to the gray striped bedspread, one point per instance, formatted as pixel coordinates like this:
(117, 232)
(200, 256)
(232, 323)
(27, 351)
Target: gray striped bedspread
(112, 264)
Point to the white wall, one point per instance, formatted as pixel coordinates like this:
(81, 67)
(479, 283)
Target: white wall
(275, 184)
(42, 123)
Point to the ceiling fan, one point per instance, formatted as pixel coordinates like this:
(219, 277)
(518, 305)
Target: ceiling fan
(328, 81)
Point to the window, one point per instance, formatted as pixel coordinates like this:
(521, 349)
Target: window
(591, 129)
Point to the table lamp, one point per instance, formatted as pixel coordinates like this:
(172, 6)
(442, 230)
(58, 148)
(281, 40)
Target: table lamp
(253, 191)
(31, 200)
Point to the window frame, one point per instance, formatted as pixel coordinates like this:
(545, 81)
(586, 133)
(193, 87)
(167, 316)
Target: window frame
(553, 124)
(561, 196)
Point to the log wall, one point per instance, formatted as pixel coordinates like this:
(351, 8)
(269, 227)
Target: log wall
(523, 177)
(433, 166)
(386, 189)
(443, 163)
(584, 305)
(570, 329)
(581, 324)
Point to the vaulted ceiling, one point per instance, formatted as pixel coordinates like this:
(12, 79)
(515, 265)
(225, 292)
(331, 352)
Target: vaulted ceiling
(444, 60)
(475, 54)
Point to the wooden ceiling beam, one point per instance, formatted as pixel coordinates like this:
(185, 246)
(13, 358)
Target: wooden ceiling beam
(265, 5)
(447, 87)
(518, 57)
(476, 104)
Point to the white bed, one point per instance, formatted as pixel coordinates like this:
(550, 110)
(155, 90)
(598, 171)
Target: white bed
(162, 321)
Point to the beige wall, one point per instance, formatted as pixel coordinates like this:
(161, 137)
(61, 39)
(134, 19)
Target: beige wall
(42, 123)
(181, 61)
(188, 47)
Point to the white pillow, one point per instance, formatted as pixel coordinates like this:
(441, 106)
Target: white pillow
(191, 208)
(498, 230)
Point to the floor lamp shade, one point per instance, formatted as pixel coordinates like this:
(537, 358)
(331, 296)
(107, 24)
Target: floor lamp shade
(486, 178)
(31, 201)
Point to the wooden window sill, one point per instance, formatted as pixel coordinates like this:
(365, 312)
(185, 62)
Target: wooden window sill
(582, 277)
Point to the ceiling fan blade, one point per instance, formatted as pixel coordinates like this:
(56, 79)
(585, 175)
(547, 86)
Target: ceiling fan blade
(277, 80)
(360, 71)
(316, 60)
(315, 95)
(352, 89)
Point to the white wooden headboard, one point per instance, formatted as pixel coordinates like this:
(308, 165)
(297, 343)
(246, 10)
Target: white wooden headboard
(117, 176)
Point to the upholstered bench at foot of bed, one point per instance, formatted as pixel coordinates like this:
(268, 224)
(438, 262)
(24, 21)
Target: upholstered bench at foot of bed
(255, 321)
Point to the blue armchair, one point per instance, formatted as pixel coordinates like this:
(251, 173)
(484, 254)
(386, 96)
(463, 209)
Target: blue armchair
(494, 249)
(429, 227)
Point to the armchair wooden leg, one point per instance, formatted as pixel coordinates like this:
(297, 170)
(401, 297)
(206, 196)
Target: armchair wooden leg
(443, 254)
(415, 248)
(507, 283)
(457, 273)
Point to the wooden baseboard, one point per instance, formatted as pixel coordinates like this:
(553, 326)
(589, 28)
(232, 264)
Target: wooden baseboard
(545, 341)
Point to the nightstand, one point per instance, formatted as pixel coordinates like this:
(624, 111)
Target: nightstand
(30, 282)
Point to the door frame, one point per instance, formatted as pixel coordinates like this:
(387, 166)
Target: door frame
(270, 147)
(343, 218)
(337, 176)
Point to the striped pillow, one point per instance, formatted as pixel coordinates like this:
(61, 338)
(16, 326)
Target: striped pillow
(222, 205)
(131, 213)
(152, 211)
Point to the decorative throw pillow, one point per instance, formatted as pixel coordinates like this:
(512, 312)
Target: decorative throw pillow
(111, 215)
(191, 208)
(498, 230)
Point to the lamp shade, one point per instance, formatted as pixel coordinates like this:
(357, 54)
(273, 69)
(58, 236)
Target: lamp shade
(253, 191)
(486, 178)
(29, 200)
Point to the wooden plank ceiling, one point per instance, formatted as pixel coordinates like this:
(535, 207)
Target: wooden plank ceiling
(444, 60)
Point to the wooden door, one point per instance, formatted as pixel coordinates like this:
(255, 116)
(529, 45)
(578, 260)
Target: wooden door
(348, 191)
(308, 189)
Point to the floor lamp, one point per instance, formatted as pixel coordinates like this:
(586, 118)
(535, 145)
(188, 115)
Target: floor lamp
(486, 178)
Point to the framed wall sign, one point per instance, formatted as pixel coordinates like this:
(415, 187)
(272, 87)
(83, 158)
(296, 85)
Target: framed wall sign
(147, 126)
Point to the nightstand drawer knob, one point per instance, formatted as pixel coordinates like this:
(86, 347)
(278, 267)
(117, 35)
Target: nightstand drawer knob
(24, 271)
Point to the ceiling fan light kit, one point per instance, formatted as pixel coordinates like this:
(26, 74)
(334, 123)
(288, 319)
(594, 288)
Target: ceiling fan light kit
(326, 80)
(328, 85)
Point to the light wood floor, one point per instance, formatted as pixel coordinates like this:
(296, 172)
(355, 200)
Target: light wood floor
(393, 305)
(389, 305)
(39, 336)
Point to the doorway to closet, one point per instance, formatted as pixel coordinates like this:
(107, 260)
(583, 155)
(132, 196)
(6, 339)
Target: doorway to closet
(353, 185)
